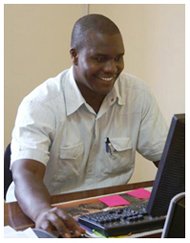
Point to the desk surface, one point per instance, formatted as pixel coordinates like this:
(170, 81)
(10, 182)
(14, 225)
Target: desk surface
(14, 216)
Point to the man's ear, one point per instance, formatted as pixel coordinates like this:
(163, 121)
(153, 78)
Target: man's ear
(74, 56)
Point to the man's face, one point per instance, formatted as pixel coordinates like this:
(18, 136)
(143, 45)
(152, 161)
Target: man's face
(99, 63)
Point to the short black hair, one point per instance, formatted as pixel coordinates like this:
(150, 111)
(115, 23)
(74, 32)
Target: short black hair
(91, 23)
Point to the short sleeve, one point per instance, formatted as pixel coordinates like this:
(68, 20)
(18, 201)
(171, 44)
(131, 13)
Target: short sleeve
(153, 129)
(33, 131)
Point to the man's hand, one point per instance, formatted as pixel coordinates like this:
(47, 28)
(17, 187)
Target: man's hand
(56, 219)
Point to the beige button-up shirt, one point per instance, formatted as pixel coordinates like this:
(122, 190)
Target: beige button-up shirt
(81, 149)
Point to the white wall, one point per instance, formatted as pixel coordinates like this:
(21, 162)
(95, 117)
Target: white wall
(37, 43)
(37, 40)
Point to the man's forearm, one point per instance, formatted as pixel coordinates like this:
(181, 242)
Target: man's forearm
(32, 195)
(34, 199)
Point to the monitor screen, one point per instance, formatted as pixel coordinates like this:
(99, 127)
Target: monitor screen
(170, 177)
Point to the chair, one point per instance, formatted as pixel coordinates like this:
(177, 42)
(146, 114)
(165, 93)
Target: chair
(174, 226)
(7, 172)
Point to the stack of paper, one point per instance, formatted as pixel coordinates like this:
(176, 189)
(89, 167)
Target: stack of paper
(11, 233)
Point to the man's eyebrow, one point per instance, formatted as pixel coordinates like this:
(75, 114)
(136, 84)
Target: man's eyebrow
(105, 55)
(101, 54)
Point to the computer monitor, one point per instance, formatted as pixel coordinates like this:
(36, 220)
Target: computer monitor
(170, 177)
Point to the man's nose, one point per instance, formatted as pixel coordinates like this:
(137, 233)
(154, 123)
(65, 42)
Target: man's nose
(110, 66)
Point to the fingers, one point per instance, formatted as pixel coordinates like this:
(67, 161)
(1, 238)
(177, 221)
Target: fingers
(46, 225)
(59, 224)
(70, 223)
(56, 218)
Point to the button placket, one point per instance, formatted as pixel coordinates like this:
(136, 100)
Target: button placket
(93, 152)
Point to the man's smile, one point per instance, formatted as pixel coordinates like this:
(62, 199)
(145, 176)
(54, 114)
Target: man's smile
(107, 79)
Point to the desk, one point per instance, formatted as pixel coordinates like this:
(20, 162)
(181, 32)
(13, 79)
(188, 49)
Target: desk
(14, 216)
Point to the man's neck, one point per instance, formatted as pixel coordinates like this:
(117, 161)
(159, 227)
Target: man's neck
(93, 99)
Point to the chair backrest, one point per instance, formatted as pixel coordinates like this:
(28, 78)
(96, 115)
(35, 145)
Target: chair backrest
(7, 172)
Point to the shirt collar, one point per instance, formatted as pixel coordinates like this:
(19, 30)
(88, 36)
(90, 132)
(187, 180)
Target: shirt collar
(73, 96)
(116, 93)
(74, 99)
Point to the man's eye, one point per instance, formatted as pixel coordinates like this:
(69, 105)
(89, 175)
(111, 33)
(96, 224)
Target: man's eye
(117, 59)
(100, 59)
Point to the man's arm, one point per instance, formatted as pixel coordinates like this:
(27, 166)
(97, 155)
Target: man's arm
(34, 199)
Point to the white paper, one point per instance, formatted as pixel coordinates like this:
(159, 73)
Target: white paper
(9, 232)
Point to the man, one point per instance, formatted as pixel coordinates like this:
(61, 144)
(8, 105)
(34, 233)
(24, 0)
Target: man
(80, 130)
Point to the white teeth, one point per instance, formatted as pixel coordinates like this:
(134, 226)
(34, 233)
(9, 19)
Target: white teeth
(106, 79)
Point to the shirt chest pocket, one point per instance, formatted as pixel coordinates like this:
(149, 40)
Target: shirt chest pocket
(71, 152)
(70, 163)
(118, 159)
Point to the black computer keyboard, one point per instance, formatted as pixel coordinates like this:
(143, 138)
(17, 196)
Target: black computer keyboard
(122, 221)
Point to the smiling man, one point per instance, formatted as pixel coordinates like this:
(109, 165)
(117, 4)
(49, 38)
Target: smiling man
(97, 58)
(81, 129)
